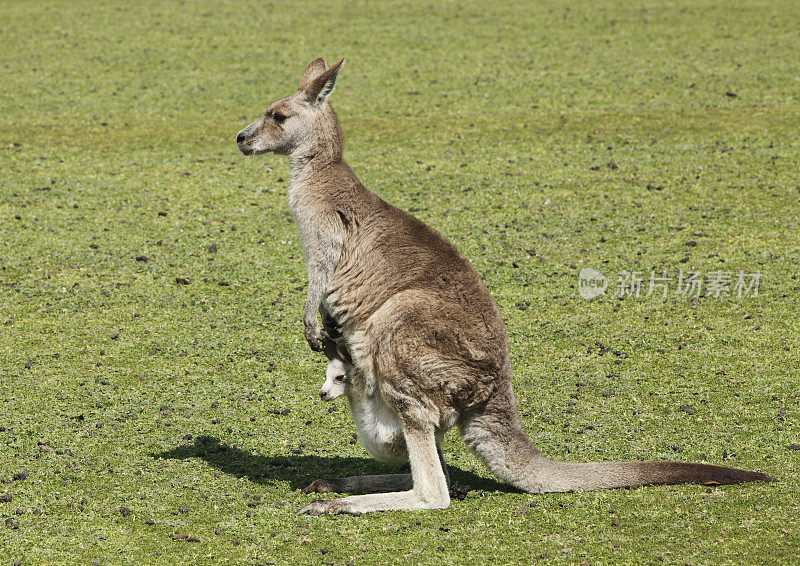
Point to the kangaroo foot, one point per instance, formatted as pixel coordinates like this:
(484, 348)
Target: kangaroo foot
(323, 486)
(328, 506)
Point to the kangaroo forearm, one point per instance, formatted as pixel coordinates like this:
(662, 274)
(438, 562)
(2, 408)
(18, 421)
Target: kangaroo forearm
(310, 311)
(320, 273)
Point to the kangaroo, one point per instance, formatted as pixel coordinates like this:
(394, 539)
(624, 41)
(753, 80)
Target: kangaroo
(336, 374)
(426, 340)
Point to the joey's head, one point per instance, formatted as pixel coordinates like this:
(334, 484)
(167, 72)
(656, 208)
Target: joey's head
(335, 380)
(302, 125)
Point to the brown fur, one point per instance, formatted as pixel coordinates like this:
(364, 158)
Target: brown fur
(426, 340)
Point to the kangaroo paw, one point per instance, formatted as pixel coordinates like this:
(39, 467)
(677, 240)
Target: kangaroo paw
(322, 486)
(328, 506)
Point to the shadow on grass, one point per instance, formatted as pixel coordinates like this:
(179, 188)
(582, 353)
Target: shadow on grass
(301, 470)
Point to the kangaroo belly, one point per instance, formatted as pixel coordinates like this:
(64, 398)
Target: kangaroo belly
(379, 430)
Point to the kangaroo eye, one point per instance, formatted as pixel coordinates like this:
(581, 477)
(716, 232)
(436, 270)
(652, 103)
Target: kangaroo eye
(279, 118)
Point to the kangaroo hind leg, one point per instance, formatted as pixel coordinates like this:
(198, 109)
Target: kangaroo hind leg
(429, 484)
(370, 483)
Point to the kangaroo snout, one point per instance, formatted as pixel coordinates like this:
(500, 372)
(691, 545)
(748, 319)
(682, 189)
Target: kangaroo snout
(241, 142)
(331, 391)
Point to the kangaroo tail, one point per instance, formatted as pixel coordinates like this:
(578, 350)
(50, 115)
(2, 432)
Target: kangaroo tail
(506, 450)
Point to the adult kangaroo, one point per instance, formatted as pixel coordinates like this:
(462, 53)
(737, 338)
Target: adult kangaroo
(426, 340)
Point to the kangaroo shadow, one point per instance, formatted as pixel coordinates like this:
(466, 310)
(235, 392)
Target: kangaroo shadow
(300, 470)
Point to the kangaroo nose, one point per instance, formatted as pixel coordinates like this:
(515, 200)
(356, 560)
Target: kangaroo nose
(240, 137)
(322, 395)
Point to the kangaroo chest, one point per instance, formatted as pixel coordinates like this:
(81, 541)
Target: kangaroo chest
(379, 429)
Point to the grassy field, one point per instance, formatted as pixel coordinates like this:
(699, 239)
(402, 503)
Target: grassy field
(158, 403)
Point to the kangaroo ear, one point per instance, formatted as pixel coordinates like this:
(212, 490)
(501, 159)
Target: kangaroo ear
(320, 88)
(314, 69)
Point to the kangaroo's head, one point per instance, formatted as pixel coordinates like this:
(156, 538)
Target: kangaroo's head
(302, 125)
(335, 380)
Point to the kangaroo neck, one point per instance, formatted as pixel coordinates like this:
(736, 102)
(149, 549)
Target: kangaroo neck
(318, 180)
(306, 167)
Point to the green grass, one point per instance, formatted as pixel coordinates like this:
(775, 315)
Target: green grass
(496, 125)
